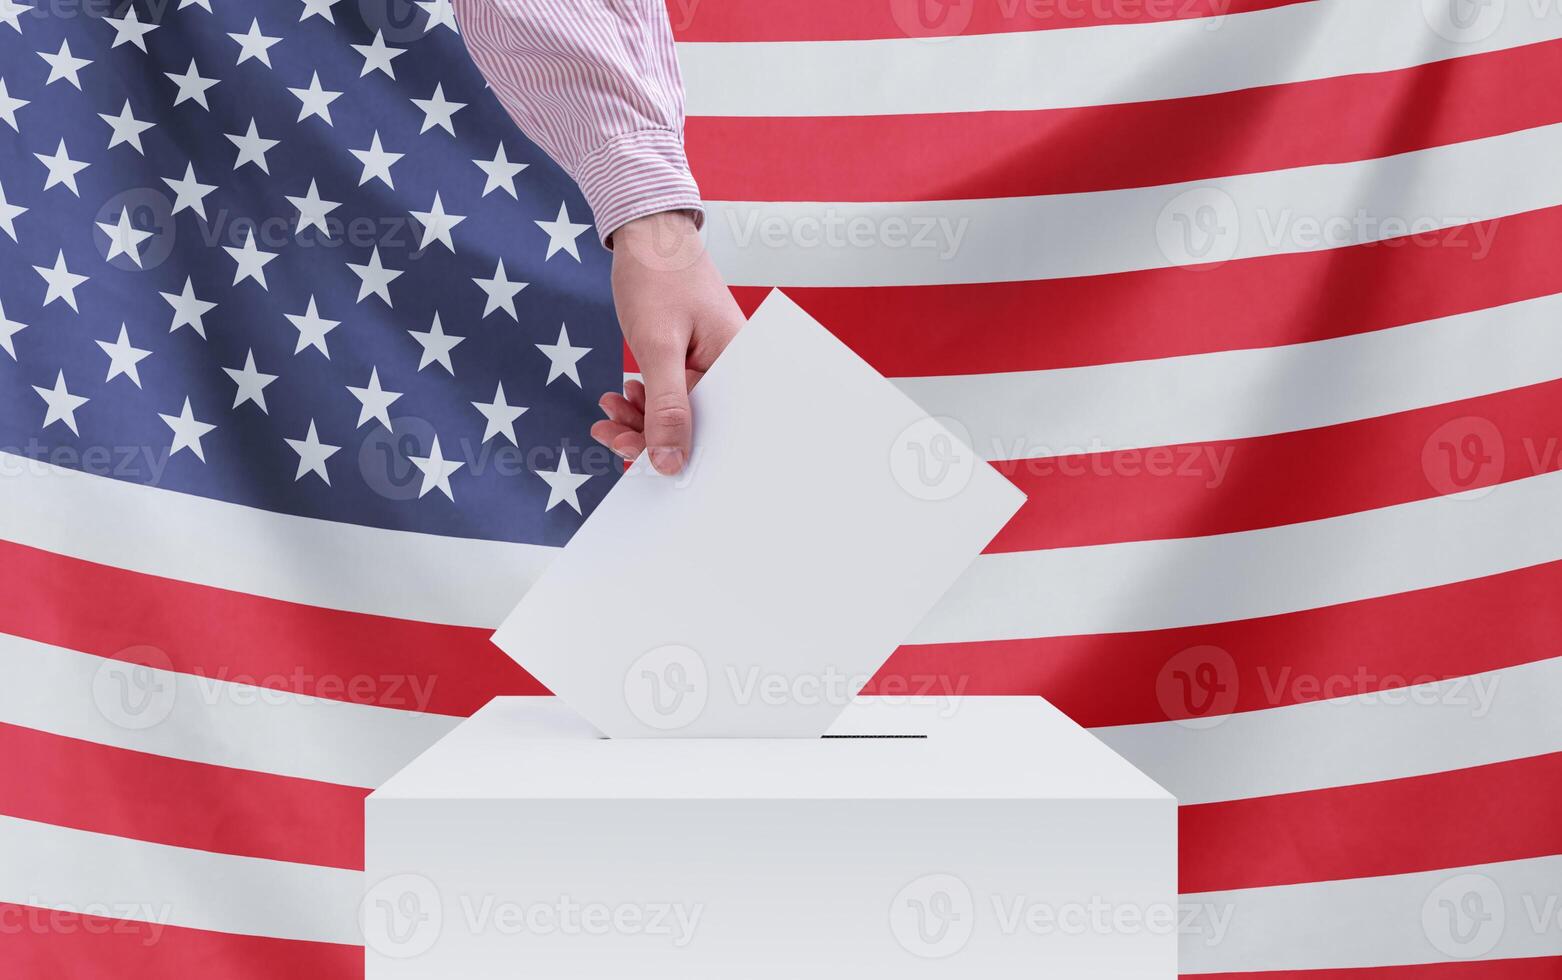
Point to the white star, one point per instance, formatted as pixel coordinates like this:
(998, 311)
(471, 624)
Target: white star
(191, 85)
(9, 104)
(319, 8)
(188, 431)
(374, 402)
(313, 210)
(205, 5)
(124, 238)
(251, 261)
(562, 233)
(436, 470)
(312, 328)
(9, 329)
(316, 100)
(62, 404)
(252, 148)
(127, 128)
(439, 12)
(62, 282)
(130, 30)
(188, 309)
(501, 416)
(501, 292)
(9, 213)
(562, 357)
(501, 172)
(11, 13)
(255, 44)
(562, 484)
(122, 357)
(376, 162)
(436, 346)
(62, 64)
(252, 383)
(62, 169)
(312, 454)
(189, 192)
(437, 224)
(378, 56)
(437, 111)
(374, 278)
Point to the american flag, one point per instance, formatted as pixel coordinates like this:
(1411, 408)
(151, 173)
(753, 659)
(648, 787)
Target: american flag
(1257, 301)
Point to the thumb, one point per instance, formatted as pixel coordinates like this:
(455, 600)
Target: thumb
(668, 423)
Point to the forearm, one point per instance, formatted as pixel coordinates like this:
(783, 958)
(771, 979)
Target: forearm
(595, 83)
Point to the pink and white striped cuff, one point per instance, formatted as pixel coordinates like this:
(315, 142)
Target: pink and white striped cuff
(636, 174)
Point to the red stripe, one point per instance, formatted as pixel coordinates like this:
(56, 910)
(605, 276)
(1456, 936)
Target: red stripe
(72, 783)
(956, 156)
(1501, 812)
(41, 944)
(233, 636)
(1352, 648)
(834, 20)
(1536, 968)
(1217, 487)
(1268, 301)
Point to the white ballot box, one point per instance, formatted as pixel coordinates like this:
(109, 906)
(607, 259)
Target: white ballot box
(964, 838)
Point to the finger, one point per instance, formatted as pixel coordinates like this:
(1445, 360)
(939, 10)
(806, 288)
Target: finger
(629, 445)
(619, 409)
(613, 434)
(668, 423)
(635, 392)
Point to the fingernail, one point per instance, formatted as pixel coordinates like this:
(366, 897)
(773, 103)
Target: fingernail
(623, 453)
(667, 461)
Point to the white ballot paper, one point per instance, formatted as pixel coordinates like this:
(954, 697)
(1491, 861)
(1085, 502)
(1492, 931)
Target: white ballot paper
(819, 518)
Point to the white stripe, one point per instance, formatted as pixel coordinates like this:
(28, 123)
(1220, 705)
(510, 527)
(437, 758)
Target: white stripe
(1086, 66)
(1377, 921)
(1245, 393)
(1147, 585)
(1490, 717)
(182, 716)
(1066, 591)
(1425, 917)
(1302, 209)
(460, 581)
(76, 870)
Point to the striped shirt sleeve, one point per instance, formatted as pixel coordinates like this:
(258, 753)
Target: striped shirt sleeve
(595, 83)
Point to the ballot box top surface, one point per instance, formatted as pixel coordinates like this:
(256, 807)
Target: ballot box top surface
(880, 748)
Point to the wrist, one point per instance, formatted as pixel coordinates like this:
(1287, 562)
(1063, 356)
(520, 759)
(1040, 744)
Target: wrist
(664, 241)
(659, 225)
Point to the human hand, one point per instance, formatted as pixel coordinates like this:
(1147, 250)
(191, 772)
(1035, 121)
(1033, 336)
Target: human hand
(677, 316)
